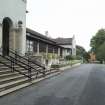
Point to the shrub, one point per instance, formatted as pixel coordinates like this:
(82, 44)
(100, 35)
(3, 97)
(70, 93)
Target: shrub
(69, 57)
(55, 66)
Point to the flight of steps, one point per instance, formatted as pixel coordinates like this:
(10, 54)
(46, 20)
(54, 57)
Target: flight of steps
(12, 80)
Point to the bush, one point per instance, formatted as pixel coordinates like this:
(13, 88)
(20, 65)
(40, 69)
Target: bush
(69, 57)
(55, 66)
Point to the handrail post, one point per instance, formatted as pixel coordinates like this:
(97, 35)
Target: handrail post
(15, 56)
(12, 64)
(29, 69)
(44, 72)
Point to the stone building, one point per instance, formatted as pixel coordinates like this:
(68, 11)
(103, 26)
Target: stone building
(12, 26)
(13, 33)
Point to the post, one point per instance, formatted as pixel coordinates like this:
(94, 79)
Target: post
(46, 50)
(58, 51)
(53, 51)
(38, 48)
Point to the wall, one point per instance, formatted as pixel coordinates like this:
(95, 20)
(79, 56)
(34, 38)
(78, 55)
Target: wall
(64, 52)
(73, 46)
(16, 11)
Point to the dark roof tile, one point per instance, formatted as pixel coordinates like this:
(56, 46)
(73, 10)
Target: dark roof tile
(63, 41)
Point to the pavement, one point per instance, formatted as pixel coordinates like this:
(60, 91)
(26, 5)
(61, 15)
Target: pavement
(69, 66)
(83, 85)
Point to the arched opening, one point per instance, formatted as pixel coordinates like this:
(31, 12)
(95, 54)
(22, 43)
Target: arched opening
(7, 23)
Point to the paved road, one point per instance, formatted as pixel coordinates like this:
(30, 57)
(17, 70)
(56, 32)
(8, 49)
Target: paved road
(84, 85)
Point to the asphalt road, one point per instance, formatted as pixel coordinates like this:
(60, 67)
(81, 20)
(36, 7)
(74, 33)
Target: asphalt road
(83, 85)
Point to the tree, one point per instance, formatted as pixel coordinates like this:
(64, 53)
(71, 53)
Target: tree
(100, 54)
(98, 44)
(80, 52)
(97, 40)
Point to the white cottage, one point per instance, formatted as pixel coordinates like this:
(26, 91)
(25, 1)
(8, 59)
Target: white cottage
(12, 26)
(69, 44)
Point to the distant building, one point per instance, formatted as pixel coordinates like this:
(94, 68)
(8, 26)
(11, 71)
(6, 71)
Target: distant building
(40, 45)
(69, 44)
(92, 57)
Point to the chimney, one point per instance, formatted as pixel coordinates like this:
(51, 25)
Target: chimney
(46, 33)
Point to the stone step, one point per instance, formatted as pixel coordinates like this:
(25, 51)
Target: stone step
(4, 71)
(13, 84)
(8, 75)
(9, 79)
(17, 77)
(12, 89)
(17, 82)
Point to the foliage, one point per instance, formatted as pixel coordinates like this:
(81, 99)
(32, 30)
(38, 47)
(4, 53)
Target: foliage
(49, 56)
(69, 57)
(97, 40)
(101, 52)
(86, 57)
(81, 53)
(79, 50)
(98, 44)
(55, 66)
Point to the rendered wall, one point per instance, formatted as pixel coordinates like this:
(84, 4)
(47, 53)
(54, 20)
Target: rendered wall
(16, 11)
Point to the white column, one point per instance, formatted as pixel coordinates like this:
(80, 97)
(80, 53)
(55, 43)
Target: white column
(63, 53)
(46, 50)
(58, 51)
(53, 51)
(0, 35)
(38, 48)
(0, 38)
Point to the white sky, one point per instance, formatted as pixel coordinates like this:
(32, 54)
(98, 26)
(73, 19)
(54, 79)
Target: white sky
(65, 18)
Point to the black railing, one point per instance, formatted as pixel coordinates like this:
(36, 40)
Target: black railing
(11, 64)
(15, 59)
(16, 55)
(27, 62)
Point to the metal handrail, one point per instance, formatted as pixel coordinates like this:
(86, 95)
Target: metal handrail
(28, 62)
(35, 63)
(12, 66)
(16, 59)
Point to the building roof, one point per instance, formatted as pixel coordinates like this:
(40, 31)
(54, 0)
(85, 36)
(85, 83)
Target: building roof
(36, 35)
(63, 41)
(39, 36)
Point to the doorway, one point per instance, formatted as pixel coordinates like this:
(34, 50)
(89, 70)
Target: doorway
(7, 23)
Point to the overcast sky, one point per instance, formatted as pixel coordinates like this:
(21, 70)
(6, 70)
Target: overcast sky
(65, 18)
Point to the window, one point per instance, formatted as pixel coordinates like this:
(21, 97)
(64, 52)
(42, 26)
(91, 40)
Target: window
(29, 45)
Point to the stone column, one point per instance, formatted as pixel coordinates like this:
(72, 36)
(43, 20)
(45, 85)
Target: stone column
(21, 40)
(12, 40)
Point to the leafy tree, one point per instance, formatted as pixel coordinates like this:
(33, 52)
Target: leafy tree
(100, 54)
(86, 56)
(80, 51)
(97, 40)
(69, 57)
(98, 45)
